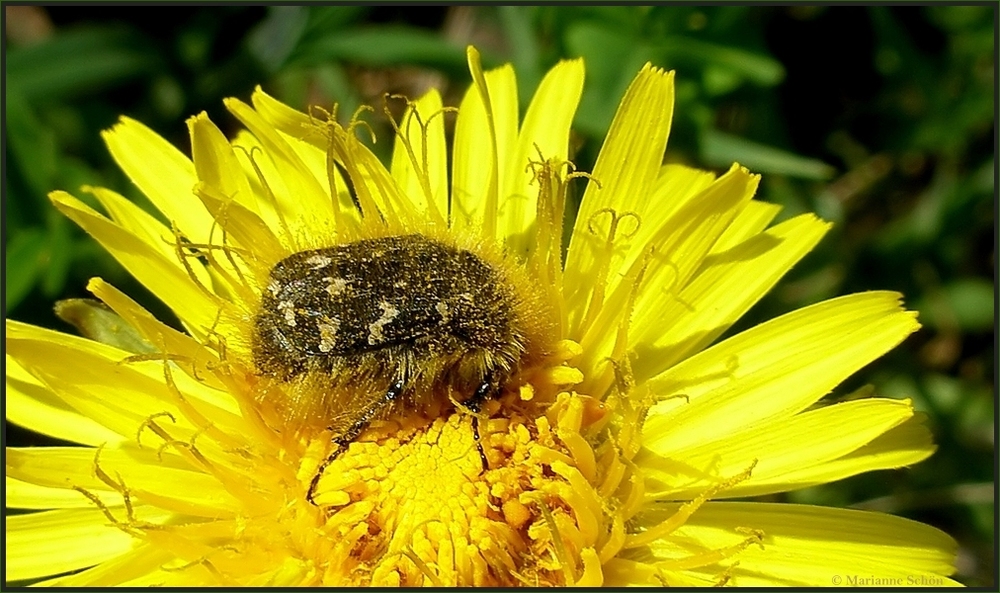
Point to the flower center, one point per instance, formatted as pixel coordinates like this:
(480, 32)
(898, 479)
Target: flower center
(410, 502)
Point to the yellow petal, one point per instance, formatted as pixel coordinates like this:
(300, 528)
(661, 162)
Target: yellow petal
(30, 404)
(753, 219)
(774, 369)
(136, 220)
(289, 179)
(684, 240)
(167, 339)
(904, 445)
(814, 546)
(160, 171)
(242, 239)
(244, 229)
(140, 223)
(723, 290)
(675, 186)
(164, 277)
(484, 141)
(626, 169)
(774, 449)
(623, 572)
(675, 252)
(309, 138)
(51, 542)
(19, 494)
(145, 563)
(160, 478)
(290, 121)
(84, 372)
(630, 160)
(420, 163)
(544, 135)
(215, 162)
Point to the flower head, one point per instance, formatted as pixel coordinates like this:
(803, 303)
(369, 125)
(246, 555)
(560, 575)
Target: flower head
(603, 456)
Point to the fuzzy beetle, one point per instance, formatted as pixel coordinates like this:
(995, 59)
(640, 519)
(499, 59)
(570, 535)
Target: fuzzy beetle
(394, 319)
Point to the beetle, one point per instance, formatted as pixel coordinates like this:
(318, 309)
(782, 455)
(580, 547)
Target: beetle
(392, 319)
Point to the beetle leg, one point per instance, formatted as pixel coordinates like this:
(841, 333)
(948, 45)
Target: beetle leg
(342, 441)
(474, 404)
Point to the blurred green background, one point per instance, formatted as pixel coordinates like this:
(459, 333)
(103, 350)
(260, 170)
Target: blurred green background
(880, 119)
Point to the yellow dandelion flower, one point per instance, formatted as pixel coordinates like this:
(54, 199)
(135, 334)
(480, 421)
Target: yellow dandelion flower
(255, 448)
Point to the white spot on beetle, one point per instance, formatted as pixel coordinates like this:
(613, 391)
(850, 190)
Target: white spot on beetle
(318, 261)
(288, 308)
(336, 286)
(376, 335)
(328, 333)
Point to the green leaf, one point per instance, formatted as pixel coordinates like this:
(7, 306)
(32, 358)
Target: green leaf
(59, 249)
(721, 149)
(965, 304)
(273, 39)
(21, 265)
(719, 80)
(612, 61)
(324, 19)
(384, 46)
(82, 61)
(759, 69)
(526, 57)
(31, 143)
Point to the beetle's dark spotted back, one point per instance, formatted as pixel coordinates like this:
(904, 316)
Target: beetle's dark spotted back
(404, 293)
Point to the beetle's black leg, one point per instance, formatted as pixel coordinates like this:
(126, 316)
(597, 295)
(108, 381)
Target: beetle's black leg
(342, 441)
(474, 404)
